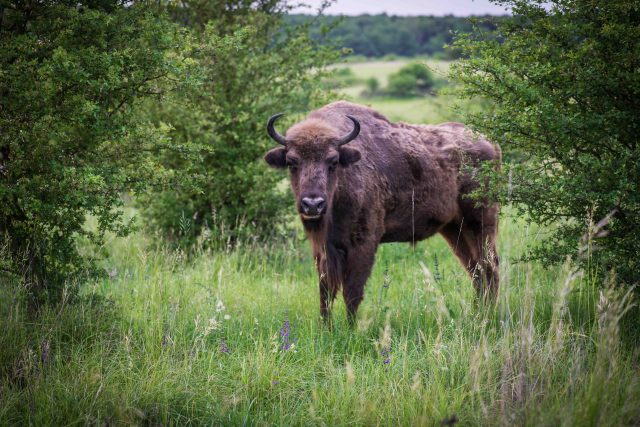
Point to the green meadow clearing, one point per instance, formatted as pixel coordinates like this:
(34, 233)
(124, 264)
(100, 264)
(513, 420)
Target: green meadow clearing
(234, 337)
(430, 109)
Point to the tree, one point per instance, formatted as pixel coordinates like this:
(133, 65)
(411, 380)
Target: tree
(563, 78)
(382, 35)
(373, 85)
(411, 80)
(270, 68)
(70, 78)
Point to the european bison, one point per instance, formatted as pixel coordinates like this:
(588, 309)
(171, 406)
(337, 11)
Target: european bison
(360, 180)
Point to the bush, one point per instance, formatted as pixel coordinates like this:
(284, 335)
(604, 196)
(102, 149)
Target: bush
(411, 80)
(70, 144)
(564, 83)
(402, 85)
(267, 69)
(341, 77)
(373, 85)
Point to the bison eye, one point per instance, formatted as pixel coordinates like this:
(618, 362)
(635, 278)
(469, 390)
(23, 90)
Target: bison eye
(292, 164)
(333, 162)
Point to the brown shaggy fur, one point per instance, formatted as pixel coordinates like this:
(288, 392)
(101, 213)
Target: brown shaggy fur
(395, 182)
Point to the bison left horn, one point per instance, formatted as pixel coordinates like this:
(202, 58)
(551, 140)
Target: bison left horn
(273, 133)
(354, 133)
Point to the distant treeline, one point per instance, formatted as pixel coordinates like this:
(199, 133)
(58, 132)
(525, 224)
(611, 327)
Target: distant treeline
(380, 35)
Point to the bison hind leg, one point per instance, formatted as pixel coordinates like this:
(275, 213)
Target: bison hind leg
(485, 234)
(475, 247)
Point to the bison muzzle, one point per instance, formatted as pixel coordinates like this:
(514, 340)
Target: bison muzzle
(360, 180)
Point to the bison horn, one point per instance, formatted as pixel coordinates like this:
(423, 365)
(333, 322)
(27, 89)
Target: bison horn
(354, 133)
(273, 133)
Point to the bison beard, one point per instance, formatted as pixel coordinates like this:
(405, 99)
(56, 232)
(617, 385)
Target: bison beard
(360, 180)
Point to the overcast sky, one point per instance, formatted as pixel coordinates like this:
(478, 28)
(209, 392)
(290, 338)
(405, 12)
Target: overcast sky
(407, 7)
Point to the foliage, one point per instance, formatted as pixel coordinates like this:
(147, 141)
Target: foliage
(389, 36)
(373, 85)
(271, 68)
(564, 80)
(411, 80)
(235, 337)
(71, 75)
(339, 78)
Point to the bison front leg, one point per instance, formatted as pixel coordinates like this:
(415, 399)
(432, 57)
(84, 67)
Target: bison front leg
(327, 295)
(357, 270)
(328, 290)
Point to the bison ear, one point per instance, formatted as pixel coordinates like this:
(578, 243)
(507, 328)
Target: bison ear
(349, 156)
(276, 157)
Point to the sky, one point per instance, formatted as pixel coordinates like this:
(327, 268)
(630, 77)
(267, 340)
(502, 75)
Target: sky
(407, 7)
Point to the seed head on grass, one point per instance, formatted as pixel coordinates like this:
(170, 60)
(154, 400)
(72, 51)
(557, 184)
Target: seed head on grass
(166, 337)
(385, 285)
(436, 269)
(351, 377)
(384, 342)
(220, 306)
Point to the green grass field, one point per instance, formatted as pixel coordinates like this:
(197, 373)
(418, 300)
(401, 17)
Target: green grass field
(235, 338)
(429, 109)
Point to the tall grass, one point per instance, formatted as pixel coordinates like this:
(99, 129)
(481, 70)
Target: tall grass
(234, 337)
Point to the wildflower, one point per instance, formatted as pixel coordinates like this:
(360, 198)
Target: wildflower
(284, 336)
(386, 354)
(220, 306)
(223, 348)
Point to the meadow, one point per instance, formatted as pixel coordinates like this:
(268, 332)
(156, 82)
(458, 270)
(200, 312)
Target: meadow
(234, 337)
(431, 109)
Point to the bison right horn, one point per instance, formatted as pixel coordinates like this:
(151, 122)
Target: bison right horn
(354, 133)
(273, 133)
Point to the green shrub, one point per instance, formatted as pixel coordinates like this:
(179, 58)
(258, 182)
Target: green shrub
(402, 85)
(564, 82)
(267, 69)
(339, 78)
(411, 80)
(70, 143)
(373, 85)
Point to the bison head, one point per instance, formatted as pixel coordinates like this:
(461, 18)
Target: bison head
(314, 151)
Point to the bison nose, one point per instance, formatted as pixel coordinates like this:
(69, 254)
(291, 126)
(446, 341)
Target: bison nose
(313, 205)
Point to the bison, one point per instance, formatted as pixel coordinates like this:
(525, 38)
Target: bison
(360, 180)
